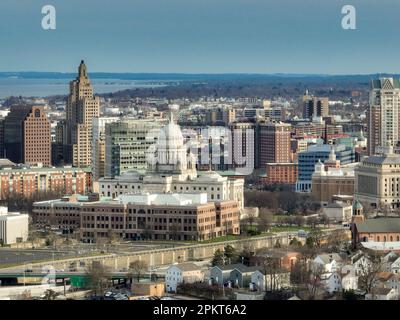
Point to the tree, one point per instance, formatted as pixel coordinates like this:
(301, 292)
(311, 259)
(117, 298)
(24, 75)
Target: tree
(98, 276)
(312, 222)
(314, 238)
(230, 254)
(50, 295)
(299, 220)
(137, 268)
(336, 239)
(147, 232)
(368, 274)
(273, 271)
(265, 220)
(112, 236)
(218, 259)
(295, 242)
(175, 231)
(324, 219)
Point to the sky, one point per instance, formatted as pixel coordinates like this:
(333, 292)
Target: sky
(201, 36)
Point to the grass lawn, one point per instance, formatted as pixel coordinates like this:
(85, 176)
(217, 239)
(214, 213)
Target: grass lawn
(276, 229)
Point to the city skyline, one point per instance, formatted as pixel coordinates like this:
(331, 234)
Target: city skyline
(242, 37)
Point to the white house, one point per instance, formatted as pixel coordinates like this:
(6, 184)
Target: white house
(395, 266)
(262, 281)
(361, 263)
(331, 282)
(182, 273)
(350, 281)
(388, 260)
(329, 262)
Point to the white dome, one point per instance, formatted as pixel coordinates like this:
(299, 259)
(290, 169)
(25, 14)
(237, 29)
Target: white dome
(209, 175)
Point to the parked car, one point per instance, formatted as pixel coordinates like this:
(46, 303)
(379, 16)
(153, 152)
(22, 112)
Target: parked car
(302, 234)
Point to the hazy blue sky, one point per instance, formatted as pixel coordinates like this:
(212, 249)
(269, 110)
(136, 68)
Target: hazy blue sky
(201, 36)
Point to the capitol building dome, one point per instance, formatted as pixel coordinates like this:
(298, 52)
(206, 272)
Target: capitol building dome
(170, 154)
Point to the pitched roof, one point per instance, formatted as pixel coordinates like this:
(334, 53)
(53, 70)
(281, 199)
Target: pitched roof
(328, 257)
(384, 276)
(380, 291)
(379, 225)
(187, 266)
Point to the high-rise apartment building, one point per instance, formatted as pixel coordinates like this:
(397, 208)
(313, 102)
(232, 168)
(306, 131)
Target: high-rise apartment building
(27, 135)
(315, 106)
(127, 142)
(220, 116)
(274, 143)
(243, 151)
(36, 138)
(383, 114)
(82, 107)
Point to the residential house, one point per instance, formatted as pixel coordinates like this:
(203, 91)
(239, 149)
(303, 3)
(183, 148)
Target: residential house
(182, 273)
(240, 276)
(329, 262)
(221, 274)
(264, 281)
(285, 260)
(381, 294)
(331, 281)
(395, 266)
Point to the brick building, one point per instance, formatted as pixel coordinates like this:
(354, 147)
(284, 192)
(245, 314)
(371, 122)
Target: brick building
(27, 180)
(139, 216)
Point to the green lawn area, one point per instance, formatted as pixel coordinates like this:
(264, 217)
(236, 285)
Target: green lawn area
(276, 229)
(221, 239)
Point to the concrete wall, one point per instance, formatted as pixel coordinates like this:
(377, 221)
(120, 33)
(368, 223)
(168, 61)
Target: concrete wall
(158, 257)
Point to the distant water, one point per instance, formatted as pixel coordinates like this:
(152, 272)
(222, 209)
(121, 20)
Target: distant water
(48, 87)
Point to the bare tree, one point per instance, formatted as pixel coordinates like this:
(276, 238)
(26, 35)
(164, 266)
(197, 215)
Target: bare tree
(273, 273)
(50, 295)
(175, 231)
(265, 220)
(137, 268)
(299, 220)
(369, 273)
(98, 275)
(336, 239)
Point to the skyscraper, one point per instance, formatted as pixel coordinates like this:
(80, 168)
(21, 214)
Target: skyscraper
(127, 142)
(314, 106)
(36, 138)
(274, 143)
(27, 135)
(82, 107)
(383, 114)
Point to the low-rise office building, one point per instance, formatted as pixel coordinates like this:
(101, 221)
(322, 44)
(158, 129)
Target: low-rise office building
(13, 226)
(141, 216)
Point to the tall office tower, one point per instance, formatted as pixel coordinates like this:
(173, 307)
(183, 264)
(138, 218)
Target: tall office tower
(99, 145)
(126, 144)
(274, 143)
(242, 151)
(314, 106)
(383, 114)
(27, 135)
(220, 116)
(36, 138)
(82, 107)
(60, 150)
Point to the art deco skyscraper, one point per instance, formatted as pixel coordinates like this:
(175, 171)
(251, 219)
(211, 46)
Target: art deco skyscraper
(383, 114)
(82, 107)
